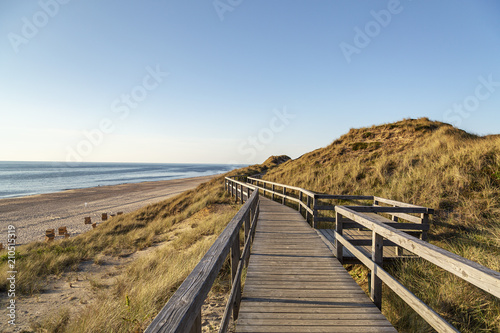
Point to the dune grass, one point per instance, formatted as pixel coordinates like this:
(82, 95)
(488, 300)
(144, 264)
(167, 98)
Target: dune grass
(430, 164)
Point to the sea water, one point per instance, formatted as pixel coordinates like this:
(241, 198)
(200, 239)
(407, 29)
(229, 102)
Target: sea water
(29, 178)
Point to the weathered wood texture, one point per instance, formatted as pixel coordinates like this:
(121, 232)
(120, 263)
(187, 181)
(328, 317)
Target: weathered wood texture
(363, 237)
(294, 284)
(478, 275)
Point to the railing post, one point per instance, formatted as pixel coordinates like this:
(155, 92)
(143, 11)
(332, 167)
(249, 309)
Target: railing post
(247, 224)
(284, 194)
(242, 192)
(377, 257)
(425, 221)
(300, 203)
(315, 213)
(248, 193)
(399, 249)
(338, 245)
(235, 259)
(196, 328)
(272, 194)
(308, 206)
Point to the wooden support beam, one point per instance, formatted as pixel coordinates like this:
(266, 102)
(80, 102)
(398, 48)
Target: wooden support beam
(338, 245)
(196, 328)
(300, 199)
(425, 221)
(377, 258)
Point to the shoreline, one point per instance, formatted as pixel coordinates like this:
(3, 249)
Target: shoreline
(99, 186)
(32, 215)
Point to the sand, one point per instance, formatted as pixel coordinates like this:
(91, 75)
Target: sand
(32, 215)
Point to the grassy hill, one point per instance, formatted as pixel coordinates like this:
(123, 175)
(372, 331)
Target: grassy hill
(431, 164)
(418, 161)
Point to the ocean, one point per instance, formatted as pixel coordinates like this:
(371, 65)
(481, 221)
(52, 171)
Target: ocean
(28, 178)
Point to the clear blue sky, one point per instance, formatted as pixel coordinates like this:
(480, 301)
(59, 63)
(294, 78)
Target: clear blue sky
(236, 80)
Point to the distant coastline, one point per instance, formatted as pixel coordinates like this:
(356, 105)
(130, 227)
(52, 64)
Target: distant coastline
(22, 179)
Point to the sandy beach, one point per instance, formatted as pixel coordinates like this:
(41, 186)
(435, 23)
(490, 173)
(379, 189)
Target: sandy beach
(32, 215)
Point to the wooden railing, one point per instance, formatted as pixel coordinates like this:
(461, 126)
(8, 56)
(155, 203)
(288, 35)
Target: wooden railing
(385, 231)
(311, 203)
(182, 313)
(478, 275)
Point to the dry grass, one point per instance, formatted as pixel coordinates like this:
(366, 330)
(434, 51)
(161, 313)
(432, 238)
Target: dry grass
(430, 164)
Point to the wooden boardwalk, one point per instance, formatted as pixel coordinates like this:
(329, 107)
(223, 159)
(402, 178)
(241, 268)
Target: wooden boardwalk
(295, 284)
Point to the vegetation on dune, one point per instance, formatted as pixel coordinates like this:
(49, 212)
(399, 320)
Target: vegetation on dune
(430, 164)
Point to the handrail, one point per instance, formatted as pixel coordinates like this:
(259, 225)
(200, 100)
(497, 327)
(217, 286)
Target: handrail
(182, 313)
(307, 192)
(470, 271)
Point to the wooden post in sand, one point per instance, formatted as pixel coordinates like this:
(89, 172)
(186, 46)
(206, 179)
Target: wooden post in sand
(1, 246)
(62, 231)
(94, 225)
(88, 220)
(119, 213)
(104, 216)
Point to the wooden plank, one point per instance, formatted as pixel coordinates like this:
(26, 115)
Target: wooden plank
(377, 257)
(235, 261)
(306, 192)
(313, 329)
(400, 204)
(196, 326)
(389, 248)
(386, 209)
(407, 217)
(315, 322)
(343, 315)
(344, 197)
